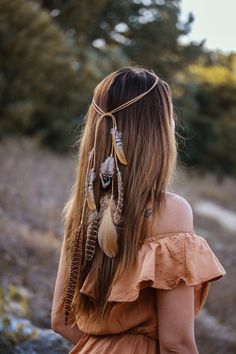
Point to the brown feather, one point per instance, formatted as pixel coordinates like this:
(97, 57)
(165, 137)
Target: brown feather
(119, 206)
(107, 233)
(118, 146)
(74, 271)
(90, 194)
(91, 237)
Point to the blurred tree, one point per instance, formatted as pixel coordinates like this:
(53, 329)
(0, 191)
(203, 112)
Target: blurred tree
(49, 59)
(53, 53)
(108, 34)
(147, 31)
(38, 75)
(207, 103)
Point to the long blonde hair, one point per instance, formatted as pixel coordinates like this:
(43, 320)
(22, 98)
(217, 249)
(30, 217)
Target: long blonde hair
(150, 148)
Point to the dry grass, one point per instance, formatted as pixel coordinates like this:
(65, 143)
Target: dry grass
(221, 300)
(35, 184)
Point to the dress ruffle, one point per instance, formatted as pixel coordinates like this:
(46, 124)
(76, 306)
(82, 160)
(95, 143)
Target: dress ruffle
(118, 343)
(162, 262)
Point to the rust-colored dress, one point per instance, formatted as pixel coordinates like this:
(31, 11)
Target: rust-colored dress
(131, 325)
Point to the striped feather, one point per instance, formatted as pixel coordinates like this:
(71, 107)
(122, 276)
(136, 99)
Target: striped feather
(118, 146)
(74, 271)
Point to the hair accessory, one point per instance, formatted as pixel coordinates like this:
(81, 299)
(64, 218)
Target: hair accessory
(101, 227)
(107, 167)
(119, 207)
(75, 270)
(118, 146)
(76, 260)
(91, 238)
(107, 171)
(107, 234)
(90, 194)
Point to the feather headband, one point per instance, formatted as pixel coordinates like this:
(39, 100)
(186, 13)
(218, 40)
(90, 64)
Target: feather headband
(101, 228)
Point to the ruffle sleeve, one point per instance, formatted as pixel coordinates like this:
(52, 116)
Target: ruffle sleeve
(163, 261)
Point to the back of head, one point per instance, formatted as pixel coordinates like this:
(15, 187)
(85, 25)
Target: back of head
(146, 132)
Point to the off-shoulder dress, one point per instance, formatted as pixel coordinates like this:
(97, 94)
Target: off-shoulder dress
(131, 325)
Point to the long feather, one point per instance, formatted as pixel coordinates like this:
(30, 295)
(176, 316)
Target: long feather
(74, 271)
(90, 193)
(119, 206)
(107, 234)
(91, 236)
(118, 146)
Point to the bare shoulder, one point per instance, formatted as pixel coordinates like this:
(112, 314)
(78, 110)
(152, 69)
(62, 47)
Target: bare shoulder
(175, 216)
(179, 205)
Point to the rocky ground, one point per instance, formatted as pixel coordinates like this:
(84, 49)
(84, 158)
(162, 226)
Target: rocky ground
(34, 185)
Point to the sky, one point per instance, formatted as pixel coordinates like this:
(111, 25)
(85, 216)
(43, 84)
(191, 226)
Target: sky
(215, 21)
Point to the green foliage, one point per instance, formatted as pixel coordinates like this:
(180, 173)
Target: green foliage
(145, 32)
(13, 330)
(12, 300)
(38, 81)
(53, 53)
(209, 109)
(50, 61)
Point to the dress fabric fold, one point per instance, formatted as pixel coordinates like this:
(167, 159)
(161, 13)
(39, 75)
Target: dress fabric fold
(131, 325)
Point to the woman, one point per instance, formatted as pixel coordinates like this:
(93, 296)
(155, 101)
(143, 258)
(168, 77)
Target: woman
(133, 274)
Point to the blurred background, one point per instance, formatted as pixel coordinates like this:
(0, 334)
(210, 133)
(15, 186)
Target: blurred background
(52, 54)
